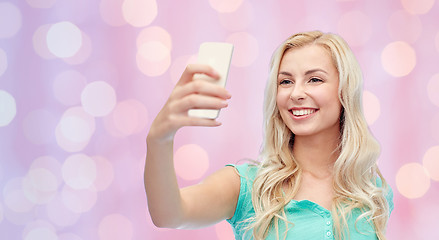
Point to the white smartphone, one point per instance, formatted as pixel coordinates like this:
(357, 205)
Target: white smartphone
(218, 55)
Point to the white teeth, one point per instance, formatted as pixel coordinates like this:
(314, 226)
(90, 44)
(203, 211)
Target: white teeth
(303, 112)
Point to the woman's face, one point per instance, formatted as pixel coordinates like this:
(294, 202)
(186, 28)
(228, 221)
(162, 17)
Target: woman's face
(307, 92)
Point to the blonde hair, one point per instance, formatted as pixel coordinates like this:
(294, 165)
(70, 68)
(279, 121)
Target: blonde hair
(355, 170)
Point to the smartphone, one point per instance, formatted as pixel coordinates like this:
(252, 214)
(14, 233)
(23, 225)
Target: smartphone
(218, 55)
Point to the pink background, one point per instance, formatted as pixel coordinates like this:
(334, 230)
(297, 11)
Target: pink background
(81, 82)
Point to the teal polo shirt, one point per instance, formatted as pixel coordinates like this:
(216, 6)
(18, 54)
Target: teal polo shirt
(311, 221)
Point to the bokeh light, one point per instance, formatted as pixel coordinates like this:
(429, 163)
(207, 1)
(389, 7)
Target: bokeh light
(154, 34)
(14, 197)
(246, 48)
(355, 27)
(238, 20)
(68, 86)
(404, 26)
(412, 180)
(417, 6)
(68, 236)
(433, 89)
(114, 227)
(371, 106)
(40, 185)
(431, 162)
(225, 6)
(10, 20)
(139, 13)
(111, 12)
(83, 52)
(398, 59)
(39, 126)
(41, 3)
(8, 108)
(59, 214)
(39, 229)
(79, 201)
(3, 62)
(104, 173)
(39, 42)
(128, 117)
(191, 162)
(75, 129)
(98, 98)
(79, 171)
(64, 39)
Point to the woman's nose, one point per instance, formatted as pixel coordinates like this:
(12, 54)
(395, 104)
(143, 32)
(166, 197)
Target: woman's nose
(298, 92)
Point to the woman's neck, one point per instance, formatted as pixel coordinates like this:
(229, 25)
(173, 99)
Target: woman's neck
(316, 154)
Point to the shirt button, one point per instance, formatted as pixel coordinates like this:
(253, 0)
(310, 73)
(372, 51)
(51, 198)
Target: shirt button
(328, 223)
(328, 233)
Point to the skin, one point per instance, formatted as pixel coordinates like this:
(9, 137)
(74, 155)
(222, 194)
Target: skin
(215, 198)
(308, 79)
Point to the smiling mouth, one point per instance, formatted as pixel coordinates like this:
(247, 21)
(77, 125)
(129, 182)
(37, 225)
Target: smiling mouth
(302, 112)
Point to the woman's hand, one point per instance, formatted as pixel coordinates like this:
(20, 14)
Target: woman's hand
(189, 94)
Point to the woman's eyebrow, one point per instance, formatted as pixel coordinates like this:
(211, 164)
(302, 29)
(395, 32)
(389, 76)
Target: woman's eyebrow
(311, 71)
(285, 73)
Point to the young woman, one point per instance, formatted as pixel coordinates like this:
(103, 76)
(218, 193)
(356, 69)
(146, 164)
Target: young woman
(317, 178)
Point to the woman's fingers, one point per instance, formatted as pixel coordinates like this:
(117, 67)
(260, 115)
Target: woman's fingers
(197, 101)
(202, 88)
(193, 69)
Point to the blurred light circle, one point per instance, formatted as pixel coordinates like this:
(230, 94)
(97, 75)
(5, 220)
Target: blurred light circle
(152, 68)
(355, 27)
(111, 13)
(49, 163)
(128, 117)
(79, 171)
(8, 108)
(64, 39)
(3, 62)
(398, 59)
(191, 162)
(39, 126)
(224, 6)
(431, 162)
(246, 49)
(82, 54)
(139, 13)
(75, 129)
(39, 233)
(40, 185)
(98, 98)
(154, 34)
(371, 106)
(39, 42)
(417, 6)
(153, 51)
(224, 231)
(433, 89)
(104, 173)
(412, 180)
(41, 3)
(68, 86)
(403, 26)
(14, 197)
(238, 20)
(115, 227)
(79, 201)
(10, 20)
(58, 213)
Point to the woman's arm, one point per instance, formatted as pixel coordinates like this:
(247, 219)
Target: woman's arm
(210, 201)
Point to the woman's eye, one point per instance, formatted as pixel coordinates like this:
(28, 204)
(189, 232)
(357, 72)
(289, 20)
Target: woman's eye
(285, 81)
(315, 80)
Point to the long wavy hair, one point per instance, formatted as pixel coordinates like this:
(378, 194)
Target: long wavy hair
(355, 170)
